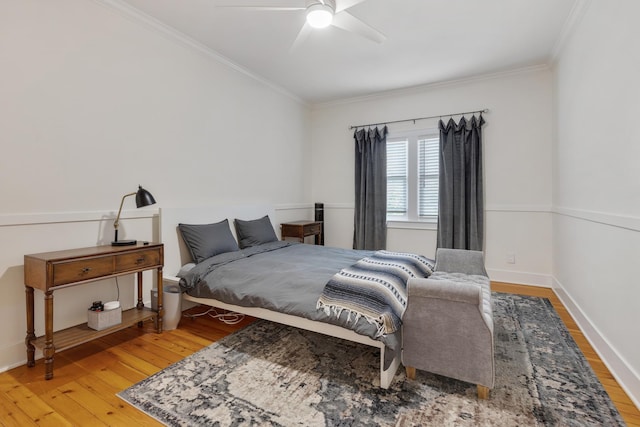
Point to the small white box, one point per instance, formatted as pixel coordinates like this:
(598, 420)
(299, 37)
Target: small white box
(100, 320)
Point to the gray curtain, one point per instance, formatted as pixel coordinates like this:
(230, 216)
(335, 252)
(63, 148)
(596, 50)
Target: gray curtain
(461, 198)
(370, 220)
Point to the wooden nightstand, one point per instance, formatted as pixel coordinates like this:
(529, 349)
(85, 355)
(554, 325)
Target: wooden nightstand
(302, 229)
(55, 270)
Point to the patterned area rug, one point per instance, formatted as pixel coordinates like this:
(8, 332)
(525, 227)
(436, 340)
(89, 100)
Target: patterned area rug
(268, 374)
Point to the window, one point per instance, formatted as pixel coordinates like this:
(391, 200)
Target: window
(412, 176)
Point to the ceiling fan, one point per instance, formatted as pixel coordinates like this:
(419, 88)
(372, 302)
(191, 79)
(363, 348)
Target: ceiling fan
(319, 13)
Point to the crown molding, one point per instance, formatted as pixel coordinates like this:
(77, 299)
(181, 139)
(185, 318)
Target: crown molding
(570, 24)
(411, 90)
(148, 21)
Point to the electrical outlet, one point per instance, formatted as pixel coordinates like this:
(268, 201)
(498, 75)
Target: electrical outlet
(511, 258)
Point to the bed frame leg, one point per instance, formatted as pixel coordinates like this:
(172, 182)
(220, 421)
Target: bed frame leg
(386, 376)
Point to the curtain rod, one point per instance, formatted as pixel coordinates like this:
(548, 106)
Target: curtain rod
(486, 110)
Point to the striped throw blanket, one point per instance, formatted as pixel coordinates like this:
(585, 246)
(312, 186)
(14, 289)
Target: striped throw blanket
(374, 288)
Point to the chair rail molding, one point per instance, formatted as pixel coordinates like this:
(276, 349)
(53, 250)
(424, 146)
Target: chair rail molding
(627, 222)
(10, 220)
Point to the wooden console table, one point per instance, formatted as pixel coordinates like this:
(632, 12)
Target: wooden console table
(55, 270)
(302, 229)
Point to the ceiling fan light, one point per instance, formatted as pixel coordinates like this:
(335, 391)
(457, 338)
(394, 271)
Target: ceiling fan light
(319, 15)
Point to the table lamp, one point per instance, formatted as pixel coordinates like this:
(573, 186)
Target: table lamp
(143, 198)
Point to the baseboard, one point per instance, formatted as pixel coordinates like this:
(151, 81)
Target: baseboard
(15, 355)
(628, 379)
(520, 277)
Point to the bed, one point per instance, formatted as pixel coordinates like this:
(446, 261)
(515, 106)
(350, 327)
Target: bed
(287, 295)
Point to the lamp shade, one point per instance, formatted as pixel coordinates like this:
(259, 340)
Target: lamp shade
(144, 198)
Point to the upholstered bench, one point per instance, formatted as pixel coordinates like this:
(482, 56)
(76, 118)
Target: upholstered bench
(447, 327)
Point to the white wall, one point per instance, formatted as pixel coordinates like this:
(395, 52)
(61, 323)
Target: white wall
(596, 191)
(517, 143)
(94, 102)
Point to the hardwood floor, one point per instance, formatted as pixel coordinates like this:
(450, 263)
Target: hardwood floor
(87, 377)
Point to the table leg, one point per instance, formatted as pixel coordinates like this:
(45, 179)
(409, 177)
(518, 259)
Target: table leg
(140, 304)
(31, 333)
(49, 348)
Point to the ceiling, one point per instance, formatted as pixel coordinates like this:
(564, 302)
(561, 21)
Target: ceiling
(427, 41)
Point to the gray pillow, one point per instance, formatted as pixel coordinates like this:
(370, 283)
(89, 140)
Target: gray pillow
(254, 232)
(207, 240)
(185, 269)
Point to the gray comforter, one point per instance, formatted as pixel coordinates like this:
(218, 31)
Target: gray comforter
(281, 276)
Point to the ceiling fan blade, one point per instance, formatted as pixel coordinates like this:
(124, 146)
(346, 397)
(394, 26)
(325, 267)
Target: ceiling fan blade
(268, 8)
(263, 5)
(348, 22)
(346, 4)
(302, 36)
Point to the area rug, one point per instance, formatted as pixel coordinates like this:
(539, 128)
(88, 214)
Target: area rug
(268, 374)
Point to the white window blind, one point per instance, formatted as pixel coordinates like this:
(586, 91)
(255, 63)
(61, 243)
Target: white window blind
(413, 176)
(428, 149)
(397, 178)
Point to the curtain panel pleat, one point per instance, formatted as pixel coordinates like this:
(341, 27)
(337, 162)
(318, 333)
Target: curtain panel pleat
(461, 196)
(370, 218)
